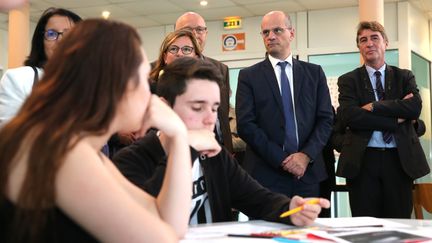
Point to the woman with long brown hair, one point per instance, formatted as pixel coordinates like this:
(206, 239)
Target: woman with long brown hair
(56, 185)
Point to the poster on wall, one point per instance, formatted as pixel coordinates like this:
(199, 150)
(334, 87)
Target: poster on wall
(233, 42)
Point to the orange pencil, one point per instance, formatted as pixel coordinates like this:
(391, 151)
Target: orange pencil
(298, 209)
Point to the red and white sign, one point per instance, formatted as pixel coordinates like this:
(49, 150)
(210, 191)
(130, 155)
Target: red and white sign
(233, 42)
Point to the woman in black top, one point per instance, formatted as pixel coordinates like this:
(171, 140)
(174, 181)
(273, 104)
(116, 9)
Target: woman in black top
(55, 183)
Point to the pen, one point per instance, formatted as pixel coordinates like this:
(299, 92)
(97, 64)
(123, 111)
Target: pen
(250, 236)
(353, 226)
(298, 209)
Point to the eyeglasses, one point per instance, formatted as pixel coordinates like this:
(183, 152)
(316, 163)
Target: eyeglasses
(186, 50)
(199, 30)
(277, 31)
(52, 35)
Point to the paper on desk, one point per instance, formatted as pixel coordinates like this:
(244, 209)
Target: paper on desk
(425, 232)
(357, 222)
(376, 234)
(220, 230)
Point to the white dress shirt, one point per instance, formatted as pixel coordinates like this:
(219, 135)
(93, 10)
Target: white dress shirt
(289, 72)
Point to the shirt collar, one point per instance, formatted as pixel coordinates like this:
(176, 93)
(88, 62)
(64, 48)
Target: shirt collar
(275, 61)
(371, 71)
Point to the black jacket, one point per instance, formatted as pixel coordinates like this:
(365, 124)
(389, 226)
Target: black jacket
(228, 185)
(355, 91)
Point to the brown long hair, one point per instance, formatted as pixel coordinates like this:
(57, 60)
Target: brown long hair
(78, 96)
(169, 39)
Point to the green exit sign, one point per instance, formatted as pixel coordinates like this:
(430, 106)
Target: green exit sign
(232, 23)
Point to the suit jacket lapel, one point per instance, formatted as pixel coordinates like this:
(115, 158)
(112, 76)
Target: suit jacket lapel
(366, 83)
(270, 78)
(389, 79)
(298, 76)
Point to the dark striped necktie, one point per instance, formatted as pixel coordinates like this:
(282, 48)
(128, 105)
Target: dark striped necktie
(387, 136)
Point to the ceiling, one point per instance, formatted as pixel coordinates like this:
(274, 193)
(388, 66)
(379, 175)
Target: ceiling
(147, 13)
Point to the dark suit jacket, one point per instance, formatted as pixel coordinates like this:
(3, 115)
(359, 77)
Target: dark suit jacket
(261, 122)
(223, 111)
(355, 90)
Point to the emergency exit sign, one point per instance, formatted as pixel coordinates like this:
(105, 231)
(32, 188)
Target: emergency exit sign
(232, 23)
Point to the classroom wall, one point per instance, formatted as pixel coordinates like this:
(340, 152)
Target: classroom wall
(152, 39)
(3, 50)
(419, 27)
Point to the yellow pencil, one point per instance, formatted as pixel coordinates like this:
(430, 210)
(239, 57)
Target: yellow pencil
(298, 209)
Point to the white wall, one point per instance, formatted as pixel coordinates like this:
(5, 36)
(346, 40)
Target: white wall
(152, 39)
(419, 27)
(335, 31)
(3, 50)
(329, 34)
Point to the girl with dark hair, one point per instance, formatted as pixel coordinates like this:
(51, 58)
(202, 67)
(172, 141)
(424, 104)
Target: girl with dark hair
(17, 83)
(56, 186)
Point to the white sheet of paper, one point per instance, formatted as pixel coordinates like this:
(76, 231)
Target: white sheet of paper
(219, 230)
(357, 222)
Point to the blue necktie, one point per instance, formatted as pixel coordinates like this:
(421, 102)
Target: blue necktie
(290, 143)
(387, 136)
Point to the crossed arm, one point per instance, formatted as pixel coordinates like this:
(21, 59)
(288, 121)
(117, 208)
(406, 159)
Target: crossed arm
(361, 114)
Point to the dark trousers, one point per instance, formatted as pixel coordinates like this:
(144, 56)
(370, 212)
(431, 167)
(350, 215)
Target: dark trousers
(382, 189)
(326, 188)
(329, 184)
(291, 186)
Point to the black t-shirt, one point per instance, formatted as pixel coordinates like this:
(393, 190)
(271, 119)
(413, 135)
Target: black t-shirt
(59, 228)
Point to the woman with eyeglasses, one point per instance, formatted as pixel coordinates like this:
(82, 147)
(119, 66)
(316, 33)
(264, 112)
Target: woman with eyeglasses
(17, 83)
(176, 44)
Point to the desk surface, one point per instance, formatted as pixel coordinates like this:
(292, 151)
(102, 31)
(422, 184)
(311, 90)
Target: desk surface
(217, 232)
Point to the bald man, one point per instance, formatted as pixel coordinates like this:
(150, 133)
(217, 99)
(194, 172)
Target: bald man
(284, 114)
(196, 23)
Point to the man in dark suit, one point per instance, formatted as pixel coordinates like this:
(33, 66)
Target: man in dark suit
(381, 154)
(197, 24)
(285, 131)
